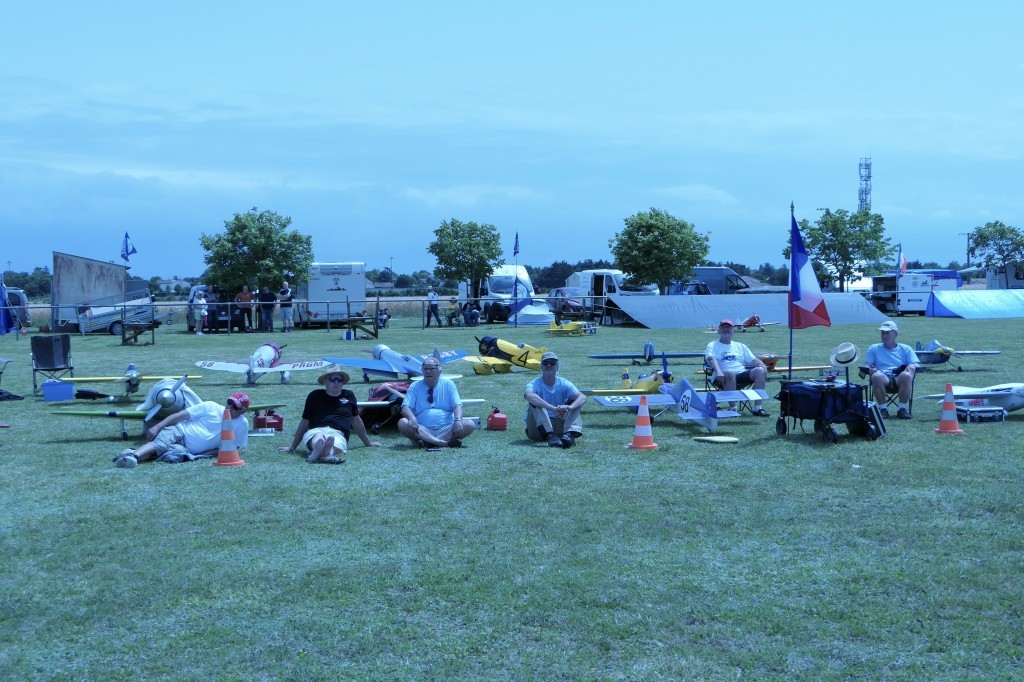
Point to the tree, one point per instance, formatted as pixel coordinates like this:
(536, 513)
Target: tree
(655, 248)
(466, 251)
(256, 248)
(997, 245)
(842, 243)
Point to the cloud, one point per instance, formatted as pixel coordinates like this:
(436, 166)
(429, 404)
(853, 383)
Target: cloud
(700, 192)
(467, 195)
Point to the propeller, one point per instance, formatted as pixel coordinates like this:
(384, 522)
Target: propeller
(666, 376)
(165, 398)
(648, 351)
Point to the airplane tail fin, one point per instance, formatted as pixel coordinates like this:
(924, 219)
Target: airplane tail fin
(625, 379)
(710, 419)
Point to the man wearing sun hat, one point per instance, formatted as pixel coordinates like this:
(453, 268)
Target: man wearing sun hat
(192, 433)
(329, 416)
(732, 364)
(892, 365)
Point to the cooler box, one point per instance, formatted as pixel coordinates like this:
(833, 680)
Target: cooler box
(972, 414)
(55, 391)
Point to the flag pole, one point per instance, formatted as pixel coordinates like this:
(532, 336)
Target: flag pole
(792, 275)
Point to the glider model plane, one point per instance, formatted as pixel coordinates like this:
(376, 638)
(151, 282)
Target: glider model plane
(266, 358)
(166, 397)
(500, 356)
(1010, 397)
(687, 403)
(394, 365)
(572, 329)
(754, 321)
(646, 357)
(936, 354)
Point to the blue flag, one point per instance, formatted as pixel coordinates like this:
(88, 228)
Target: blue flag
(515, 249)
(806, 304)
(127, 248)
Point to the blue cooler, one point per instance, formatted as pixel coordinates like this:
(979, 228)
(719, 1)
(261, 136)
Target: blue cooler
(55, 391)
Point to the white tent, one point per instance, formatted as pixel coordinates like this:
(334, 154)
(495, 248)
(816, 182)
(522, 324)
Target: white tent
(533, 314)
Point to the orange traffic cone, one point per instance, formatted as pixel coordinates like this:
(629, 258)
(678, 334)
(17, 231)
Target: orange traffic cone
(227, 456)
(643, 439)
(948, 423)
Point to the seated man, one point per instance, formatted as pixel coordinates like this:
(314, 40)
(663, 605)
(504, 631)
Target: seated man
(329, 416)
(192, 433)
(471, 313)
(892, 367)
(732, 364)
(554, 406)
(432, 411)
(454, 311)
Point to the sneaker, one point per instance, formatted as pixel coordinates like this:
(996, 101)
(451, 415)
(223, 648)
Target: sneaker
(554, 441)
(902, 413)
(884, 412)
(760, 412)
(126, 462)
(568, 441)
(199, 333)
(455, 443)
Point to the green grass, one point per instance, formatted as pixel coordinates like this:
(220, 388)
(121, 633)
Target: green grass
(776, 558)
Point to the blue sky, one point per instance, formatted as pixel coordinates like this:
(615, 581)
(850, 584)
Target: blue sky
(370, 123)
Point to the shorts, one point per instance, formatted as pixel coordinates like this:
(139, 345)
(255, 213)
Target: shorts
(340, 442)
(742, 379)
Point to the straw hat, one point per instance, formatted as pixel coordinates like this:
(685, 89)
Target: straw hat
(331, 371)
(844, 354)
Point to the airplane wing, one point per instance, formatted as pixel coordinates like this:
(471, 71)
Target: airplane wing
(370, 365)
(136, 414)
(641, 356)
(955, 352)
(293, 366)
(123, 379)
(483, 364)
(739, 396)
(779, 369)
(622, 400)
(223, 366)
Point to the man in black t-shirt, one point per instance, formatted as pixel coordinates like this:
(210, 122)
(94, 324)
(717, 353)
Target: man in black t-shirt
(329, 416)
(284, 298)
(267, 300)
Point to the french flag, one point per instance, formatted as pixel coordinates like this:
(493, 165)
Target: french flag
(901, 261)
(806, 304)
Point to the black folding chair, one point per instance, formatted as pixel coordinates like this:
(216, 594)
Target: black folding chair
(709, 385)
(3, 365)
(892, 396)
(51, 357)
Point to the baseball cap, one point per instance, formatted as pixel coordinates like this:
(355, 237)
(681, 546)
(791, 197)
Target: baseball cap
(550, 355)
(888, 326)
(240, 400)
(726, 322)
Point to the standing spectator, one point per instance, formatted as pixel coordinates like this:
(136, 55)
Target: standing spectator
(284, 297)
(433, 306)
(244, 297)
(267, 302)
(199, 311)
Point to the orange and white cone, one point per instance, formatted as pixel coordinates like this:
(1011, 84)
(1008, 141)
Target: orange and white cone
(643, 438)
(227, 456)
(949, 423)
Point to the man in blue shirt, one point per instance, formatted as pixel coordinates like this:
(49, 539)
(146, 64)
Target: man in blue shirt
(554, 406)
(432, 411)
(892, 367)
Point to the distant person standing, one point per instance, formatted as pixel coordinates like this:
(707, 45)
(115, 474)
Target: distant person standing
(244, 298)
(199, 310)
(433, 306)
(284, 298)
(267, 301)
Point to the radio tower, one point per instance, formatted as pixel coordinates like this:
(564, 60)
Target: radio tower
(864, 195)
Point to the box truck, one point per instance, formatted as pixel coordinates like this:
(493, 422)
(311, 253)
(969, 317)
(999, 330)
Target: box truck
(332, 292)
(902, 294)
(505, 285)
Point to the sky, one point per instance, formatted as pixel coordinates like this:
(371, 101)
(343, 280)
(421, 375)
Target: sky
(369, 124)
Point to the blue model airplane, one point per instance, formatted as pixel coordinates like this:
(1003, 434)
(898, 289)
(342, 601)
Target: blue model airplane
(394, 365)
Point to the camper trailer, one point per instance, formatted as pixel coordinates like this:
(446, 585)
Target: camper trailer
(902, 294)
(333, 292)
(504, 286)
(1009, 277)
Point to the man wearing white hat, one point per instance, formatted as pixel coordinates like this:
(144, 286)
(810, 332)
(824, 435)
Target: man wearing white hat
(329, 417)
(892, 367)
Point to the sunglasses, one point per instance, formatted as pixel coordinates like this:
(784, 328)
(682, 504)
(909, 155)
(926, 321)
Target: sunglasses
(430, 395)
(336, 380)
(549, 363)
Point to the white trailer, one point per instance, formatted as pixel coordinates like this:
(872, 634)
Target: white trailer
(333, 292)
(909, 293)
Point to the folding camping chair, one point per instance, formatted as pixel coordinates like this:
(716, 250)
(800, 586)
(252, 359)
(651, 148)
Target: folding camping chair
(892, 396)
(51, 357)
(710, 386)
(3, 365)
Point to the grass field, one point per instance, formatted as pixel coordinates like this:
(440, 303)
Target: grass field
(777, 558)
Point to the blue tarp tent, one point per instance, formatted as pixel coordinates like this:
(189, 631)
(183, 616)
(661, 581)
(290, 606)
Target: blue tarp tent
(975, 305)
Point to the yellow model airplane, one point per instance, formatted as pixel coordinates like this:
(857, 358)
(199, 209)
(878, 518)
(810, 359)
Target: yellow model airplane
(572, 329)
(497, 355)
(645, 384)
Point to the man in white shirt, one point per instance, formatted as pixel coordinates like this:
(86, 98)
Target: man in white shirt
(732, 364)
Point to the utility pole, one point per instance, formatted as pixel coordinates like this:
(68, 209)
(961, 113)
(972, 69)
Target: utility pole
(968, 235)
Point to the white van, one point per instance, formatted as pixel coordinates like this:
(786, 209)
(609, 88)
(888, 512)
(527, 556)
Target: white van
(608, 282)
(506, 284)
(18, 302)
(716, 280)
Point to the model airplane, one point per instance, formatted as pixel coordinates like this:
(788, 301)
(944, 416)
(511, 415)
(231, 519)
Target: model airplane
(572, 329)
(771, 361)
(647, 356)
(1010, 397)
(687, 402)
(749, 323)
(936, 354)
(165, 398)
(394, 365)
(500, 356)
(645, 384)
(131, 380)
(266, 358)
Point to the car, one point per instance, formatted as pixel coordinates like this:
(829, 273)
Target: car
(566, 299)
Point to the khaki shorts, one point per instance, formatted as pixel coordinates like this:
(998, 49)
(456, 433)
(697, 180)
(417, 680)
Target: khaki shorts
(340, 443)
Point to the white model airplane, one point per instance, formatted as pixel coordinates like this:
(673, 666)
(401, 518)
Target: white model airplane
(688, 403)
(936, 354)
(394, 365)
(131, 379)
(266, 358)
(1010, 397)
